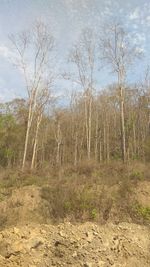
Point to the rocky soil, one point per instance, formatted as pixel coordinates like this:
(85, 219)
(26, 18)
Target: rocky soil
(83, 245)
(25, 205)
(29, 236)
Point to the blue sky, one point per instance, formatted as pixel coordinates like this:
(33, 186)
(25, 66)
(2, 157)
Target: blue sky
(67, 18)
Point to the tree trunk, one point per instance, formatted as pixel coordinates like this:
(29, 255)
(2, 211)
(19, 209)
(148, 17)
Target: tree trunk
(30, 118)
(59, 142)
(123, 140)
(104, 142)
(134, 140)
(100, 150)
(96, 138)
(107, 144)
(89, 128)
(88, 122)
(76, 150)
(36, 140)
(122, 116)
(26, 138)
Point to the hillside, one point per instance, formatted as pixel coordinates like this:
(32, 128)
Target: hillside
(93, 216)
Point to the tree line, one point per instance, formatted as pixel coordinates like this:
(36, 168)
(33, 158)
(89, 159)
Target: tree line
(100, 125)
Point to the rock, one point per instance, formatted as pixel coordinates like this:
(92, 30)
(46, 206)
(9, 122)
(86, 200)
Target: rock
(88, 264)
(16, 230)
(34, 243)
(101, 263)
(4, 248)
(110, 260)
(42, 231)
(62, 234)
(74, 255)
(17, 247)
(89, 236)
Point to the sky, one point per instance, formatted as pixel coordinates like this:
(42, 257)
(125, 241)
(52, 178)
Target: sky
(66, 19)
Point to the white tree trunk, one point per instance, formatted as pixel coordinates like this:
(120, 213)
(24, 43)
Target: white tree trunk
(36, 140)
(122, 116)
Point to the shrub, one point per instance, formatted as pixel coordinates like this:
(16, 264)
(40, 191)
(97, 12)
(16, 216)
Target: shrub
(80, 202)
(94, 214)
(143, 211)
(136, 175)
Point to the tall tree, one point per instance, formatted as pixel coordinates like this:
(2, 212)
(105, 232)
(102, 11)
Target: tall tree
(83, 56)
(34, 49)
(119, 52)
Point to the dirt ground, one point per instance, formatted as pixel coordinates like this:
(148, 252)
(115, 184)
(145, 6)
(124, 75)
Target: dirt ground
(29, 238)
(87, 245)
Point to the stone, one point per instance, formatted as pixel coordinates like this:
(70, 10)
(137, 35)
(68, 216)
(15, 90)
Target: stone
(89, 236)
(17, 247)
(74, 255)
(88, 264)
(34, 243)
(101, 263)
(16, 230)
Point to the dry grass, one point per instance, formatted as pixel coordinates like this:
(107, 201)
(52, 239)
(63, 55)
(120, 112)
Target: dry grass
(88, 192)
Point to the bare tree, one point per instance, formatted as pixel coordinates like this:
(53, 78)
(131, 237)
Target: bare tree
(42, 100)
(33, 49)
(83, 57)
(119, 53)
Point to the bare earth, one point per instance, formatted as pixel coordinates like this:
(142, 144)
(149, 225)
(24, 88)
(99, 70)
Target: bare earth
(87, 245)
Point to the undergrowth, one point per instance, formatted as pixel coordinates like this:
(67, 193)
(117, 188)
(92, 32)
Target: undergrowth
(87, 192)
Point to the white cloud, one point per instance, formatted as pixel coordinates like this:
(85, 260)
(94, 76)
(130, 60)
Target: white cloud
(8, 94)
(140, 50)
(140, 37)
(135, 14)
(148, 18)
(6, 53)
(147, 21)
(139, 40)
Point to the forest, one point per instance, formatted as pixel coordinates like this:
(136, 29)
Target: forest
(94, 124)
(74, 133)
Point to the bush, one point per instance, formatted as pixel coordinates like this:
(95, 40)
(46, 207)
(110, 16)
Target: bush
(80, 203)
(144, 212)
(136, 175)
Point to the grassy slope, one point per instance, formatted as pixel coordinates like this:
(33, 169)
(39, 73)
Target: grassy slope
(88, 193)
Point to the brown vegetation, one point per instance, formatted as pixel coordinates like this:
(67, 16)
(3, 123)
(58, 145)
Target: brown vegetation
(100, 193)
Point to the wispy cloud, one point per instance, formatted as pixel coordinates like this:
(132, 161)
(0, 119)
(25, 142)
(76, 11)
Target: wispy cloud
(6, 53)
(7, 94)
(135, 14)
